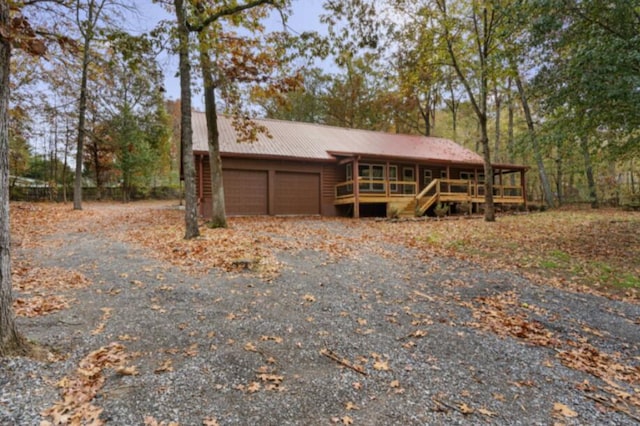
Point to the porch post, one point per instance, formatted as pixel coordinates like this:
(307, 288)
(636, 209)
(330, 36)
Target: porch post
(387, 179)
(356, 189)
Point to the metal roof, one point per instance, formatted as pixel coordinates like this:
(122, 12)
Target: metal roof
(296, 140)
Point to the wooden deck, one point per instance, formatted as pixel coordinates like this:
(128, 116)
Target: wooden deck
(402, 197)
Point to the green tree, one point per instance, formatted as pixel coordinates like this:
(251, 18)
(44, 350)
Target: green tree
(471, 34)
(19, 154)
(137, 125)
(303, 104)
(589, 76)
(91, 16)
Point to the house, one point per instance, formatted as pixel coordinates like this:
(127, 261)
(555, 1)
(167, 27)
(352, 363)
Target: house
(312, 169)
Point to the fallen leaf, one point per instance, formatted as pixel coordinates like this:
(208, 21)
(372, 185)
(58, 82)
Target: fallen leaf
(127, 371)
(564, 410)
(253, 387)
(381, 365)
(465, 409)
(351, 406)
(346, 420)
(499, 397)
(164, 367)
(486, 412)
(418, 333)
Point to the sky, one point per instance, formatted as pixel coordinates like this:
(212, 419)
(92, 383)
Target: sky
(305, 17)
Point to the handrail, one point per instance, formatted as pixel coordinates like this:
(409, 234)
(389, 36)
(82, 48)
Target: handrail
(429, 188)
(420, 209)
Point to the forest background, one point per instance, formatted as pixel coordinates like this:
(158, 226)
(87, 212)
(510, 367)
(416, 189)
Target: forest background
(554, 84)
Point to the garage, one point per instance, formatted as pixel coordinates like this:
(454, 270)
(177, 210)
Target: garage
(297, 193)
(246, 192)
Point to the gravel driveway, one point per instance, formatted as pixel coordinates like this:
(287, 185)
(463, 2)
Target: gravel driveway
(385, 336)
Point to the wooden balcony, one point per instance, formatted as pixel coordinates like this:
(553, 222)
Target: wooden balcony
(403, 195)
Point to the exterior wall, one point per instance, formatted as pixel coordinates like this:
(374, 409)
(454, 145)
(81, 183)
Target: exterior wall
(271, 187)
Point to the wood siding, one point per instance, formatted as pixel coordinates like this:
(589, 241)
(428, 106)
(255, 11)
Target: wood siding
(329, 181)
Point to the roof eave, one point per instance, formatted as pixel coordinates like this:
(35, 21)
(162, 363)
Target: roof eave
(405, 158)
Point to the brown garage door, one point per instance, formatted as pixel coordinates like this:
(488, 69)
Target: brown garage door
(297, 193)
(245, 192)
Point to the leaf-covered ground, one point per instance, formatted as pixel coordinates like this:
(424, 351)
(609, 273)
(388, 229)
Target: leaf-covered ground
(533, 319)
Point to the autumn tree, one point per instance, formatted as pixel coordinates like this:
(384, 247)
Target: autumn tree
(420, 70)
(16, 30)
(305, 103)
(471, 32)
(90, 16)
(237, 61)
(186, 131)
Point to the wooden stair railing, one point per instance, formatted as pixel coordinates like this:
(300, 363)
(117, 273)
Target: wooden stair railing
(421, 207)
(432, 184)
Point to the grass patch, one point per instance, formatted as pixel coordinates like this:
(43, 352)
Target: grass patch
(598, 248)
(548, 264)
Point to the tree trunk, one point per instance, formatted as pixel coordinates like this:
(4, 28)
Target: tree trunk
(632, 177)
(453, 107)
(510, 135)
(82, 111)
(496, 146)
(588, 168)
(218, 215)
(490, 210)
(96, 166)
(426, 118)
(537, 153)
(186, 132)
(64, 169)
(559, 173)
(10, 340)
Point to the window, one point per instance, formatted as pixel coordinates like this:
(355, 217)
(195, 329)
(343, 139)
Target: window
(393, 177)
(443, 174)
(471, 176)
(427, 177)
(408, 176)
(349, 172)
(371, 173)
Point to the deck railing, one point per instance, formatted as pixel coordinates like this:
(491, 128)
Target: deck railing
(375, 188)
(438, 189)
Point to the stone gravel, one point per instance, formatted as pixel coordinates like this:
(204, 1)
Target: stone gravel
(222, 330)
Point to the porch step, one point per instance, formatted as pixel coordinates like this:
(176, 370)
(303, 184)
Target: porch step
(409, 210)
(403, 208)
(428, 203)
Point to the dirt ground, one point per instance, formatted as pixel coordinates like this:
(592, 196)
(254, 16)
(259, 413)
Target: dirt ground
(300, 321)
